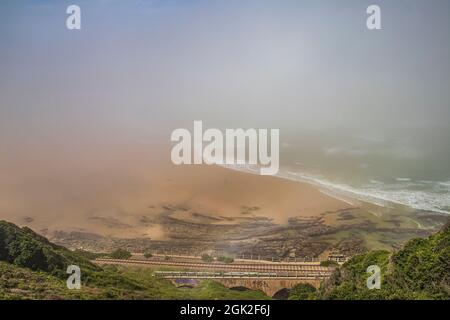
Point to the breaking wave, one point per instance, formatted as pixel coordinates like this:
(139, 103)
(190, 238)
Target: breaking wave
(420, 195)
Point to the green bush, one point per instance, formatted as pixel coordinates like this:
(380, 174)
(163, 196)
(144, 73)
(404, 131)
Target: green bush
(207, 258)
(225, 259)
(24, 248)
(38, 268)
(303, 291)
(421, 270)
(120, 254)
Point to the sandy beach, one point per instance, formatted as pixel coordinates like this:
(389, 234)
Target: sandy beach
(106, 199)
(196, 193)
(225, 193)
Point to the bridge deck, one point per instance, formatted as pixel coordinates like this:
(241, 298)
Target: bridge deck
(243, 275)
(283, 268)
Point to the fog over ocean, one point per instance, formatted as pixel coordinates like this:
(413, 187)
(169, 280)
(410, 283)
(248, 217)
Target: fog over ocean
(408, 166)
(362, 111)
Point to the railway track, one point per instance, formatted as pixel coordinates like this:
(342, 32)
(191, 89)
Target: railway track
(239, 275)
(312, 270)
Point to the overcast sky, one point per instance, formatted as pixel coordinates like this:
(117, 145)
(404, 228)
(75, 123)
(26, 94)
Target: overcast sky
(142, 66)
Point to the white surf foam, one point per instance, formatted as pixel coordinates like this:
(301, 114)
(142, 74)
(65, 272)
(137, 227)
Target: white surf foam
(435, 197)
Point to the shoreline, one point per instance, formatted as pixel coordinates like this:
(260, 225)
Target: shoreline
(341, 191)
(201, 208)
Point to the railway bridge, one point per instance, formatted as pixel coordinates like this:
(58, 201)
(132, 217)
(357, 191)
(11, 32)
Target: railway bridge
(269, 283)
(267, 277)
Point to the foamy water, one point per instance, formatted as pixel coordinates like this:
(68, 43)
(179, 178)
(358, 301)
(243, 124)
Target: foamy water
(420, 195)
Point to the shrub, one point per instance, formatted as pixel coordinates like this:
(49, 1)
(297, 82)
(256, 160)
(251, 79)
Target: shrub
(329, 263)
(303, 291)
(120, 254)
(225, 259)
(207, 258)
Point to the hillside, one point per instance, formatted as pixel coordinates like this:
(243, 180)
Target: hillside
(31, 267)
(421, 270)
(25, 248)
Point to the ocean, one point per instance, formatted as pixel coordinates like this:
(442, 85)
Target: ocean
(404, 168)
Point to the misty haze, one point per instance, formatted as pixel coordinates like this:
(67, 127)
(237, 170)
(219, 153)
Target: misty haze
(86, 118)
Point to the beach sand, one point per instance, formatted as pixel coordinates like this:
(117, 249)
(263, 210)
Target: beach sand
(88, 200)
(222, 192)
(111, 201)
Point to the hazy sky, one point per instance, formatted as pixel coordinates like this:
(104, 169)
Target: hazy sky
(139, 67)
(80, 111)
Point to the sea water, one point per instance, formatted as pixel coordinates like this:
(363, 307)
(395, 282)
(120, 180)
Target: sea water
(407, 169)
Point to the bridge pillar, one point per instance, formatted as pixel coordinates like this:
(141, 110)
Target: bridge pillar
(268, 286)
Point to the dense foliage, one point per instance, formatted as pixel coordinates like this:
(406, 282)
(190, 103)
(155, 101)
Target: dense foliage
(207, 258)
(302, 291)
(120, 254)
(125, 283)
(421, 270)
(31, 267)
(329, 263)
(25, 248)
(225, 259)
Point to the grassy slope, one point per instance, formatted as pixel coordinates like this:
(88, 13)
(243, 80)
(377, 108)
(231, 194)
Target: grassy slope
(22, 283)
(421, 270)
(33, 268)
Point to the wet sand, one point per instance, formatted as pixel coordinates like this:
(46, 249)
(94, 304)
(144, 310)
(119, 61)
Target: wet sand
(220, 192)
(106, 200)
(126, 203)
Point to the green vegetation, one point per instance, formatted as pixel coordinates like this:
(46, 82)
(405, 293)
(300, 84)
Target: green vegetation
(147, 255)
(24, 248)
(302, 291)
(329, 263)
(207, 258)
(421, 270)
(120, 254)
(89, 254)
(128, 283)
(225, 259)
(31, 267)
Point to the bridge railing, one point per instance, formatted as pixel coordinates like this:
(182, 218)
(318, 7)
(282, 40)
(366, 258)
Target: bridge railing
(193, 274)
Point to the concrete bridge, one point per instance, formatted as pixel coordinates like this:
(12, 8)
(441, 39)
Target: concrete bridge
(269, 283)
